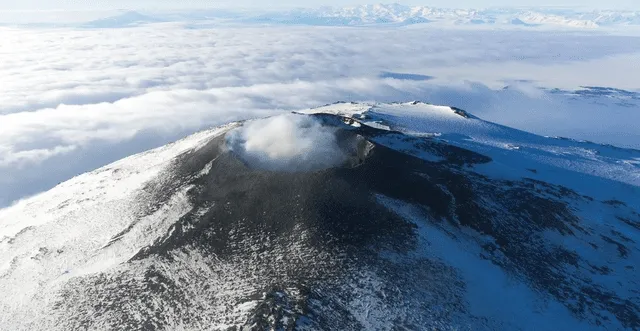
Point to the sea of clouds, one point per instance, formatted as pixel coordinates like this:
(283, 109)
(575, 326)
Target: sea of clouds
(72, 100)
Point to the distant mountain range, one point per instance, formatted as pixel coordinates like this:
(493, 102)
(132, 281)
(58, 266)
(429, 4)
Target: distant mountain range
(392, 14)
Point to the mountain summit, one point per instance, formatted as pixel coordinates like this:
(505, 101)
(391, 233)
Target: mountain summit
(346, 217)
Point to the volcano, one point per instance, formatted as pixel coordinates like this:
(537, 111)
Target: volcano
(403, 216)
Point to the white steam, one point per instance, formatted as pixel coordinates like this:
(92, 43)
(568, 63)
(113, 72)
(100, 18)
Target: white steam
(287, 143)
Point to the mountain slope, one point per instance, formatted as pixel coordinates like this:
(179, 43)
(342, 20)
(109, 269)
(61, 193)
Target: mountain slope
(431, 218)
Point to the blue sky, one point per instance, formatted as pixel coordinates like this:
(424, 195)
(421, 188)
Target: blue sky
(116, 4)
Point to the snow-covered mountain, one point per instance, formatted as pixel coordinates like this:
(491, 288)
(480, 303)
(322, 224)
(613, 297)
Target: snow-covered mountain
(390, 14)
(345, 217)
(395, 13)
(126, 19)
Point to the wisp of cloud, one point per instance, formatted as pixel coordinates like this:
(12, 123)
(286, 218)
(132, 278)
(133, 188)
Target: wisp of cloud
(289, 142)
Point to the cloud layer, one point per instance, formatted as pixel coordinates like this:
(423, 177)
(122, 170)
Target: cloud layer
(73, 100)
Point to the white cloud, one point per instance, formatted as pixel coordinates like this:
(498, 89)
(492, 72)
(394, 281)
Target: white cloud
(72, 100)
(286, 142)
(34, 155)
